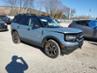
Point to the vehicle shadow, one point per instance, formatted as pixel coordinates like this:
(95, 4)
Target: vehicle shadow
(4, 30)
(92, 41)
(42, 50)
(16, 67)
(37, 47)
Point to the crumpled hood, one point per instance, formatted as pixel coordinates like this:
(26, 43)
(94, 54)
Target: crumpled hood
(64, 30)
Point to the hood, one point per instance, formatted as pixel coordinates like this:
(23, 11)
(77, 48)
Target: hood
(64, 30)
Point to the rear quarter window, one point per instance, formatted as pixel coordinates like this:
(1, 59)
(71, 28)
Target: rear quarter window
(84, 23)
(21, 19)
(17, 19)
(93, 23)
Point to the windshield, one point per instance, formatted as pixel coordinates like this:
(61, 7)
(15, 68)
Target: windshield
(47, 21)
(93, 23)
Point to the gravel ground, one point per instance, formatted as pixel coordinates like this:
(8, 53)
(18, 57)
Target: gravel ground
(80, 61)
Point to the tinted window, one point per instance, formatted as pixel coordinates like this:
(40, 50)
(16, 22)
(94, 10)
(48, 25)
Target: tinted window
(24, 20)
(84, 22)
(93, 23)
(21, 19)
(35, 21)
(17, 19)
(77, 22)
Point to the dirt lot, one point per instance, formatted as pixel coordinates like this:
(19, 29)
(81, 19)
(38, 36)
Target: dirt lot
(80, 61)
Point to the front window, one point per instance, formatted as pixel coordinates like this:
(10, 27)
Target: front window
(50, 22)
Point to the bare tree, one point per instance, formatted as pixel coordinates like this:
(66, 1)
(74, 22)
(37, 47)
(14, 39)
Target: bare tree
(54, 8)
(51, 6)
(12, 4)
(71, 13)
(20, 6)
(26, 5)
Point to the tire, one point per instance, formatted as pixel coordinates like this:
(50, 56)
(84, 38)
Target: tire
(52, 49)
(15, 37)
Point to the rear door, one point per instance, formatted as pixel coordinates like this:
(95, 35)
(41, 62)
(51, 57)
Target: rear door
(30, 29)
(83, 25)
(22, 26)
(93, 27)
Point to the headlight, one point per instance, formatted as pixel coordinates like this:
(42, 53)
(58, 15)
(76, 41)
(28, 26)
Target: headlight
(70, 38)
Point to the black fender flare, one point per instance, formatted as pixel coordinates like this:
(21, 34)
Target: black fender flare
(48, 38)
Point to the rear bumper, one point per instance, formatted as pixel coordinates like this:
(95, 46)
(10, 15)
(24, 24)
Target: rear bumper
(70, 47)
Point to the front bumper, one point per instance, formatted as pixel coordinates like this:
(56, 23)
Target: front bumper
(69, 47)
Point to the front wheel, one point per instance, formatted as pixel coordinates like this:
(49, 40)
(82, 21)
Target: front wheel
(15, 37)
(52, 49)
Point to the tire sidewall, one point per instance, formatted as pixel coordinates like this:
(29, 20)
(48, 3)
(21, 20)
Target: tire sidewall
(13, 37)
(58, 48)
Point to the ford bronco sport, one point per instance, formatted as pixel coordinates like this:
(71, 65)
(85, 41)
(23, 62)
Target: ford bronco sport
(45, 32)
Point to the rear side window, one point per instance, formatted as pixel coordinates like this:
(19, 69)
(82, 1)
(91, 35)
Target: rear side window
(17, 19)
(21, 19)
(84, 22)
(24, 20)
(77, 22)
(93, 23)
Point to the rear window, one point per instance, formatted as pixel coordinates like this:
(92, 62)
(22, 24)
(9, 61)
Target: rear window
(93, 23)
(84, 22)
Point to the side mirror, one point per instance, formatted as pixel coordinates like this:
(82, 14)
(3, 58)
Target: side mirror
(45, 24)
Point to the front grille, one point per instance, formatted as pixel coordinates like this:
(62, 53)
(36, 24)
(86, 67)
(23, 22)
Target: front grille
(79, 36)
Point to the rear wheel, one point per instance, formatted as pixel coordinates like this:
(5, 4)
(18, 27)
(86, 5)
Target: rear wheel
(51, 48)
(15, 37)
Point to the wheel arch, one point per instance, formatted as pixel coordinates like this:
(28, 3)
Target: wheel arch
(13, 30)
(48, 38)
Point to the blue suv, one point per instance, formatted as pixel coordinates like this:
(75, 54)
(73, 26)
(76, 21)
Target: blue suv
(45, 32)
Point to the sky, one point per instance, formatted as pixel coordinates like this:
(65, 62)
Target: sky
(82, 7)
